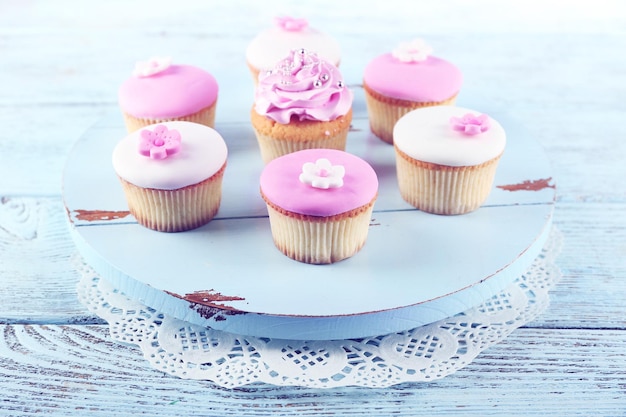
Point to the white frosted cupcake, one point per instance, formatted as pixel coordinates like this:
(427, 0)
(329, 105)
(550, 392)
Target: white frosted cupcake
(172, 174)
(446, 158)
(288, 33)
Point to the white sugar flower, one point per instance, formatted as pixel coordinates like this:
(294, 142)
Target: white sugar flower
(322, 174)
(152, 66)
(414, 51)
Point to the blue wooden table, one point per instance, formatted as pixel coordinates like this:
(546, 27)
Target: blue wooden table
(558, 69)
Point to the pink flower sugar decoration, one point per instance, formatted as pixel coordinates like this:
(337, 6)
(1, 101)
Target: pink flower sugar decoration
(291, 24)
(470, 124)
(160, 142)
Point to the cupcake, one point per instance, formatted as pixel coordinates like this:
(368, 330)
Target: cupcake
(320, 203)
(406, 79)
(288, 33)
(159, 92)
(301, 104)
(172, 174)
(446, 158)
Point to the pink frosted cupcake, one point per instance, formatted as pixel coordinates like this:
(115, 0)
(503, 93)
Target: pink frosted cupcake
(320, 203)
(406, 79)
(302, 103)
(159, 91)
(288, 33)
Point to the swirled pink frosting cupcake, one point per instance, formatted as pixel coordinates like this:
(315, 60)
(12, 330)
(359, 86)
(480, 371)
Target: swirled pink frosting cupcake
(320, 203)
(302, 103)
(407, 78)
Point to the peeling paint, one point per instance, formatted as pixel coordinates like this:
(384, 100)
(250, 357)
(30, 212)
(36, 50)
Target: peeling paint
(96, 215)
(209, 304)
(211, 298)
(529, 185)
(215, 313)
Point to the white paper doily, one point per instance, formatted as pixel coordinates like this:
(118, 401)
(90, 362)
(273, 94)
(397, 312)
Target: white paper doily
(425, 353)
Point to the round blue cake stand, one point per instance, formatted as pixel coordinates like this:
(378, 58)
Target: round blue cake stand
(415, 268)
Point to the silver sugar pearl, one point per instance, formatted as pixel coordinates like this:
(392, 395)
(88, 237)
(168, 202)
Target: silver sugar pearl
(324, 77)
(340, 84)
(317, 84)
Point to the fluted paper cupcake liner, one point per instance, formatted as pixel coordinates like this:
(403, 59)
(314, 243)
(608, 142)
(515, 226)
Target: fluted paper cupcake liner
(320, 240)
(204, 116)
(175, 210)
(272, 148)
(383, 112)
(443, 189)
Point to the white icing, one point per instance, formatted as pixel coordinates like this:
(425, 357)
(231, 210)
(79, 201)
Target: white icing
(152, 66)
(274, 44)
(425, 134)
(203, 152)
(322, 174)
(414, 51)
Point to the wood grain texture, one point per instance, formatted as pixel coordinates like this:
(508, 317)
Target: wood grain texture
(557, 68)
(37, 264)
(54, 366)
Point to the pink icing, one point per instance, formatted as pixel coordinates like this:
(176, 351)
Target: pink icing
(302, 86)
(433, 79)
(177, 91)
(160, 142)
(470, 124)
(280, 183)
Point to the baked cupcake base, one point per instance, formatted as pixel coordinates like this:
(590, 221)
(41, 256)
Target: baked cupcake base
(319, 240)
(204, 116)
(277, 139)
(383, 112)
(175, 210)
(442, 189)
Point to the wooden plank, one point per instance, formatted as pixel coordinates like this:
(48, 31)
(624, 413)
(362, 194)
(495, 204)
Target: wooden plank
(69, 370)
(32, 157)
(37, 263)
